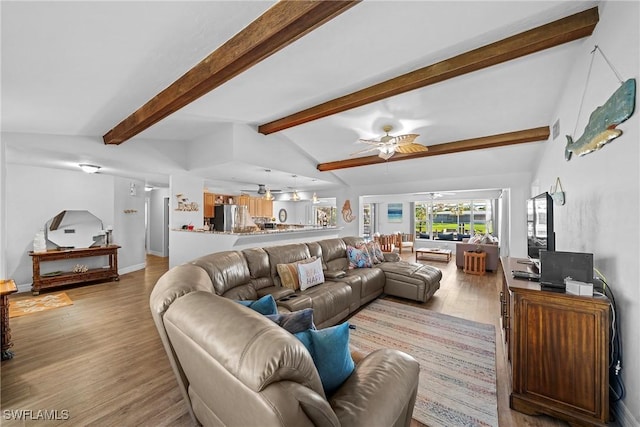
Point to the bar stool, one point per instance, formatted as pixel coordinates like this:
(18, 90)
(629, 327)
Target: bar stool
(475, 262)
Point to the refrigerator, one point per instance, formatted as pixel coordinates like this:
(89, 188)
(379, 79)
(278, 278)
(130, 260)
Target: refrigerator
(224, 217)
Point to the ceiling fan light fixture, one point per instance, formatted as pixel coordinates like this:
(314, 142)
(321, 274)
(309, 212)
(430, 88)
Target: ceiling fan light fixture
(268, 195)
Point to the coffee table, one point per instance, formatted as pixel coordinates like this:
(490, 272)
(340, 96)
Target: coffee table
(436, 254)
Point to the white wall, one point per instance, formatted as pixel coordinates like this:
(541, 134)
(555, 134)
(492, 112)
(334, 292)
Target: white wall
(3, 213)
(34, 195)
(128, 226)
(156, 226)
(602, 214)
(297, 212)
(387, 227)
(191, 188)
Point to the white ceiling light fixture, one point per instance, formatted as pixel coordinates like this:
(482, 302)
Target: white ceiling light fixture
(295, 196)
(87, 168)
(389, 145)
(314, 198)
(267, 194)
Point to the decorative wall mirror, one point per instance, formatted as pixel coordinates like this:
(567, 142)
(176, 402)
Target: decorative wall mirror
(282, 215)
(75, 229)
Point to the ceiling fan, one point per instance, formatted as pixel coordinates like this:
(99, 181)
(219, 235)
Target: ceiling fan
(389, 145)
(262, 190)
(434, 195)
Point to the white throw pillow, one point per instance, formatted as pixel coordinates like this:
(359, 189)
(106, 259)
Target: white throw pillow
(310, 274)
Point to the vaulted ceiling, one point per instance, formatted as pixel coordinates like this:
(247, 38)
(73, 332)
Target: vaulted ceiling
(75, 70)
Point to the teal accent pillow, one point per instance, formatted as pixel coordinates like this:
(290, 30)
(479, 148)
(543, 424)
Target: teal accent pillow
(329, 349)
(264, 305)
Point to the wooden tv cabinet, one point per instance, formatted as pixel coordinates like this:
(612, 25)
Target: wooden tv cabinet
(69, 277)
(557, 347)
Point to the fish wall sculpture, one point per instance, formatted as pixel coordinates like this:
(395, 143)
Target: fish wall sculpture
(601, 128)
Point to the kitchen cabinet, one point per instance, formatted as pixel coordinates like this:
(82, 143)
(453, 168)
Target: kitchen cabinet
(209, 203)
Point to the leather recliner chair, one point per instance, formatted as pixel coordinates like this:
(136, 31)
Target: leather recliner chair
(235, 367)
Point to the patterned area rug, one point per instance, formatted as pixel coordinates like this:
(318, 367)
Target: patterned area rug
(457, 384)
(36, 304)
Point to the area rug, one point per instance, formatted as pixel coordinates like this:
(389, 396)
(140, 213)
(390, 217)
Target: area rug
(37, 304)
(457, 385)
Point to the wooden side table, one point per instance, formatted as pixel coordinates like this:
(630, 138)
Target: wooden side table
(475, 262)
(6, 287)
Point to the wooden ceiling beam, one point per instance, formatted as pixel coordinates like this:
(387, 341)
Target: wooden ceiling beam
(492, 141)
(279, 26)
(540, 38)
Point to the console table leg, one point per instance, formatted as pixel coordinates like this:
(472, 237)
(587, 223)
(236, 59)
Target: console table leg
(6, 287)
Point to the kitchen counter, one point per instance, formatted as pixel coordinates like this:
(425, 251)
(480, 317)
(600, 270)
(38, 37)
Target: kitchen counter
(186, 245)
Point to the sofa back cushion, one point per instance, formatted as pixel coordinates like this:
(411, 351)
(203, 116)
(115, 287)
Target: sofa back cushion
(259, 268)
(229, 274)
(334, 254)
(285, 254)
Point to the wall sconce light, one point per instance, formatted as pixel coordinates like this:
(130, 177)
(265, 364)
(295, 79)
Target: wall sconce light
(89, 168)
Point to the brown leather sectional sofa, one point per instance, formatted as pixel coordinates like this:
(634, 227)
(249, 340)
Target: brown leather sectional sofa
(236, 367)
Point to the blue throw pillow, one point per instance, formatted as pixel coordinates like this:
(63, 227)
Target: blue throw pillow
(358, 257)
(329, 349)
(265, 305)
(296, 321)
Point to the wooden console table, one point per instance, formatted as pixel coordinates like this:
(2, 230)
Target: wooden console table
(557, 348)
(7, 287)
(69, 277)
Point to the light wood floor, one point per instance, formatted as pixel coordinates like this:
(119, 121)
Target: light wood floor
(102, 361)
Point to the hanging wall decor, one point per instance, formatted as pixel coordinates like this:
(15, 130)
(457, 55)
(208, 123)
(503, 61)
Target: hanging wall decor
(601, 128)
(185, 205)
(394, 212)
(347, 214)
(557, 193)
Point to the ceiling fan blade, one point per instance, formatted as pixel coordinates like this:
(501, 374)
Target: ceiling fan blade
(366, 150)
(411, 148)
(404, 139)
(370, 142)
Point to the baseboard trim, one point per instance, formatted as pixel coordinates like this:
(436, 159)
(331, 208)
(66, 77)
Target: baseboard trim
(24, 287)
(132, 268)
(156, 253)
(624, 417)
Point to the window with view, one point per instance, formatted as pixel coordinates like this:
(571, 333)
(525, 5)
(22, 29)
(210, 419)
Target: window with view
(325, 215)
(453, 219)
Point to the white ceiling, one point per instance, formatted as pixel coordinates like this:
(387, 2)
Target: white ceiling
(76, 69)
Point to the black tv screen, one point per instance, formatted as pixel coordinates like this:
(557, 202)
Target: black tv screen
(540, 234)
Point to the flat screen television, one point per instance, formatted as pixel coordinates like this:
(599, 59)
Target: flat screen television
(540, 234)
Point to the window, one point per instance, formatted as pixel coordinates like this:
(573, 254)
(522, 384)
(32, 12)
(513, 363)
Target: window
(322, 213)
(367, 220)
(453, 219)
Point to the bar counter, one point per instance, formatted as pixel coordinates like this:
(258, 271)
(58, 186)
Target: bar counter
(186, 245)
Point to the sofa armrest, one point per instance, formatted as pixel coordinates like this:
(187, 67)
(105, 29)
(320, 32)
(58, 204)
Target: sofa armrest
(277, 292)
(381, 391)
(391, 256)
